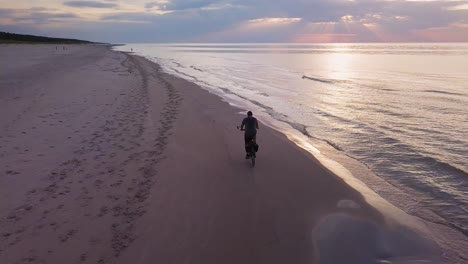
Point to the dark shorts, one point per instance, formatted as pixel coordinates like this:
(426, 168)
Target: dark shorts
(249, 136)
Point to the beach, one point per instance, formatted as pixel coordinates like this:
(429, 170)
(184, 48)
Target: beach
(107, 159)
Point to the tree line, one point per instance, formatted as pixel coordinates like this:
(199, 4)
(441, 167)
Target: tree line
(6, 37)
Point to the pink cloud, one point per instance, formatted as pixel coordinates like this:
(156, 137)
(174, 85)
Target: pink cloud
(324, 38)
(453, 33)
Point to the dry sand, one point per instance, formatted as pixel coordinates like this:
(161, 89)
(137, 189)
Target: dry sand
(105, 159)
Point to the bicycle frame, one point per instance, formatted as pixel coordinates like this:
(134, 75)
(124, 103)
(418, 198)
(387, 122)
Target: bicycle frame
(251, 147)
(252, 153)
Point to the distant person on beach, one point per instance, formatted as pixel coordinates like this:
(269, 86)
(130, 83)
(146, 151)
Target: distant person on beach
(250, 125)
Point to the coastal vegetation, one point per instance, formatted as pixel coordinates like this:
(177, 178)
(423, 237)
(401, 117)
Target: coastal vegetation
(12, 38)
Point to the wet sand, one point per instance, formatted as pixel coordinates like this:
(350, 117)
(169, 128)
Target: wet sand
(105, 159)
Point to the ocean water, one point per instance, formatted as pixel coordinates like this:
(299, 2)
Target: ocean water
(401, 109)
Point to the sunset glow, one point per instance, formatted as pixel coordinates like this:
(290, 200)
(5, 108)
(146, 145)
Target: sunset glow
(239, 20)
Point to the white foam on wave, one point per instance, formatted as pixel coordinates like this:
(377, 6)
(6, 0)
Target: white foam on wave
(376, 191)
(265, 115)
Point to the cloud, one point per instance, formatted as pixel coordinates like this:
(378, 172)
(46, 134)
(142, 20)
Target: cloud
(456, 32)
(41, 9)
(177, 5)
(459, 7)
(34, 17)
(131, 17)
(160, 5)
(93, 4)
(254, 20)
(326, 37)
(6, 11)
(275, 20)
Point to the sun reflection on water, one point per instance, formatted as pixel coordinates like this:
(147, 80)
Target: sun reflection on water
(340, 64)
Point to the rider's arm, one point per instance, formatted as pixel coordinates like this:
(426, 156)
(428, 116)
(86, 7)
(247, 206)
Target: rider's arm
(242, 125)
(256, 124)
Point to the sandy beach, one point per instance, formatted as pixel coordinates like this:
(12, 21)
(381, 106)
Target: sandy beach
(106, 159)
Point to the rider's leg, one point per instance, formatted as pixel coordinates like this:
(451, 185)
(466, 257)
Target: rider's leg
(254, 142)
(247, 142)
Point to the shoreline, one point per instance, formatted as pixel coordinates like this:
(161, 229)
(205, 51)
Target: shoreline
(391, 200)
(122, 177)
(382, 194)
(416, 161)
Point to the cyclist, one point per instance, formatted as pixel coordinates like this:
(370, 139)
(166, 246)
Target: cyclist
(250, 125)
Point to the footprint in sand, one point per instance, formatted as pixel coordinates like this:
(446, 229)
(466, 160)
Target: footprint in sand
(65, 237)
(11, 172)
(116, 184)
(103, 211)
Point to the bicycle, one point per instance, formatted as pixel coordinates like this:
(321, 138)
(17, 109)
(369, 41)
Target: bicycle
(252, 150)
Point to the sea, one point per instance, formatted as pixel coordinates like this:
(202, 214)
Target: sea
(401, 109)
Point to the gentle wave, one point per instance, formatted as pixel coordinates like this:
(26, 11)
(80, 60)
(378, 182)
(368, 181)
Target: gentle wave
(195, 68)
(443, 92)
(318, 79)
(330, 51)
(404, 117)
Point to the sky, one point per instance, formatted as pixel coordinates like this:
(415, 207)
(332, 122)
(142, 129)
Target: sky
(251, 21)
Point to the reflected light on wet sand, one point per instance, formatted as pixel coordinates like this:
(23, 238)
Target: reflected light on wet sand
(392, 214)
